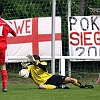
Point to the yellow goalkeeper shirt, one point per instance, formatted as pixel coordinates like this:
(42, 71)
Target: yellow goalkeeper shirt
(38, 75)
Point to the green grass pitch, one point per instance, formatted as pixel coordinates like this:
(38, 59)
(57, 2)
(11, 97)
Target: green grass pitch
(31, 92)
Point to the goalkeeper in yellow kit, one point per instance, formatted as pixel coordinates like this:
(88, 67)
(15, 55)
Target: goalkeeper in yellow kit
(39, 74)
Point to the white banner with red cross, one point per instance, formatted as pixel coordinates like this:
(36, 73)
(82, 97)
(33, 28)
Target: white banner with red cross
(84, 35)
(34, 36)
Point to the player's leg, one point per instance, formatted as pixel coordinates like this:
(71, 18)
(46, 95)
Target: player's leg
(77, 83)
(4, 74)
(47, 86)
(73, 81)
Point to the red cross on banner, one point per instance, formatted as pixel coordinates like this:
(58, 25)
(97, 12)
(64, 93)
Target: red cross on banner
(34, 38)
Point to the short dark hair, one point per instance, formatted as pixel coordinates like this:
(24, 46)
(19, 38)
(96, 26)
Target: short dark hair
(36, 57)
(1, 9)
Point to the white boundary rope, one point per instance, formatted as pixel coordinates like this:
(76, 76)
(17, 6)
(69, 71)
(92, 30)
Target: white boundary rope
(56, 57)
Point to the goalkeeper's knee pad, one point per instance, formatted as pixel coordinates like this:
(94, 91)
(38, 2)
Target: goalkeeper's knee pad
(49, 86)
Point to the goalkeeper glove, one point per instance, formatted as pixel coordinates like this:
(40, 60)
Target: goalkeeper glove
(31, 58)
(24, 64)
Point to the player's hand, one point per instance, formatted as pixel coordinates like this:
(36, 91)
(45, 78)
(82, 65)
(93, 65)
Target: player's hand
(30, 58)
(24, 64)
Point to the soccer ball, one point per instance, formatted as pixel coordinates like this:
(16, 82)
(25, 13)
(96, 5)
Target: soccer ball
(23, 73)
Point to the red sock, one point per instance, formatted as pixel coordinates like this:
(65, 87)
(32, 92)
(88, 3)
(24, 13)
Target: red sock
(4, 76)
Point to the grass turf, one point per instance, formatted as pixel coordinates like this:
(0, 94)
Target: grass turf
(31, 92)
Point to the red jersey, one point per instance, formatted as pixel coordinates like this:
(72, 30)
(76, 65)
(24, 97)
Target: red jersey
(5, 28)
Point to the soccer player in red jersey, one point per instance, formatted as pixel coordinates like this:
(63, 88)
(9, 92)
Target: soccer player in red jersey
(5, 28)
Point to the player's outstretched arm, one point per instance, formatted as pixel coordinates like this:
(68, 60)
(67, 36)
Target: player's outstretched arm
(30, 57)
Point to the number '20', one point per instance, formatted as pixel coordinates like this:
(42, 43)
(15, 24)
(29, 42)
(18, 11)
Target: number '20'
(89, 49)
